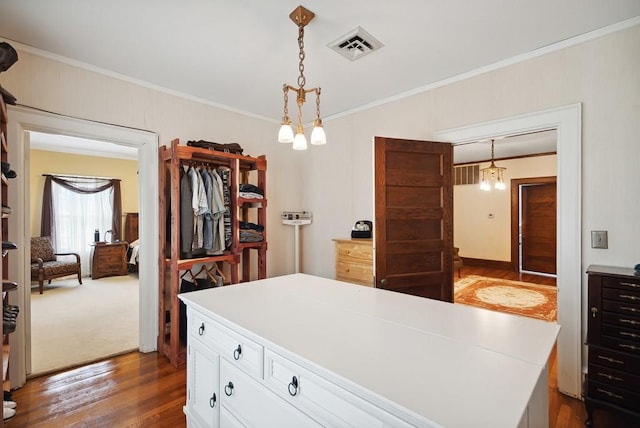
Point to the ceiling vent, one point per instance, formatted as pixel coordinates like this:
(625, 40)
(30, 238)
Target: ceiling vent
(355, 44)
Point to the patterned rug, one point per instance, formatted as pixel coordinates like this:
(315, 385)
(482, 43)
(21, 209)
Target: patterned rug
(514, 297)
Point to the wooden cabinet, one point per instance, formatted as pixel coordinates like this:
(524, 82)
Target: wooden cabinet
(108, 259)
(354, 260)
(613, 339)
(242, 259)
(131, 227)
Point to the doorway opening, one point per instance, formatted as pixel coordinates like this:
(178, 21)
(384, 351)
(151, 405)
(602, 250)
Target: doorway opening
(534, 225)
(25, 120)
(567, 121)
(105, 307)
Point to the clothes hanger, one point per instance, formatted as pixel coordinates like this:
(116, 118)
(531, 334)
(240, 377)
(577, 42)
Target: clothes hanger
(188, 271)
(203, 268)
(219, 272)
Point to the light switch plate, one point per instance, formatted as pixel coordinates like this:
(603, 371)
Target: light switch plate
(599, 239)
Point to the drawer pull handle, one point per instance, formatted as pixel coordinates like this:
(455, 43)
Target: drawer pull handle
(628, 308)
(237, 353)
(201, 329)
(626, 296)
(610, 377)
(630, 284)
(228, 389)
(635, 348)
(624, 333)
(611, 394)
(611, 360)
(632, 322)
(212, 401)
(293, 387)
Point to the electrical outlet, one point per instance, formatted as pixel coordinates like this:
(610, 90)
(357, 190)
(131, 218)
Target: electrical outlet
(599, 239)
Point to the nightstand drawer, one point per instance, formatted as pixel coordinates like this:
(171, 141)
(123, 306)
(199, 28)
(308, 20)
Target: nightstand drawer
(359, 272)
(355, 251)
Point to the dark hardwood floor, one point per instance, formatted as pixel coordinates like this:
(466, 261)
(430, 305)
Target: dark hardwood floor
(132, 390)
(144, 390)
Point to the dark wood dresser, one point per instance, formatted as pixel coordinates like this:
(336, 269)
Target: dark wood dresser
(613, 340)
(109, 259)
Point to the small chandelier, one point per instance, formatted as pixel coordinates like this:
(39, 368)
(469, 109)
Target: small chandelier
(301, 17)
(492, 173)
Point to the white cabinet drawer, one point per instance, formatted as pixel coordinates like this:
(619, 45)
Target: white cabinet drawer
(321, 399)
(203, 395)
(253, 405)
(227, 420)
(244, 352)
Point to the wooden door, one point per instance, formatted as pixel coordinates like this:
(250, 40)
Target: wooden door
(538, 216)
(414, 217)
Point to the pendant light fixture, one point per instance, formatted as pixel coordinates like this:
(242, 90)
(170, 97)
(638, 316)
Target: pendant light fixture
(301, 17)
(492, 173)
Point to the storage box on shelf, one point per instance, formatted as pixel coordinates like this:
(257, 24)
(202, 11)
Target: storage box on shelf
(238, 255)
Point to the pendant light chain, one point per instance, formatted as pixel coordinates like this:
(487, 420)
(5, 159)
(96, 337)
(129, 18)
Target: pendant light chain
(285, 89)
(301, 56)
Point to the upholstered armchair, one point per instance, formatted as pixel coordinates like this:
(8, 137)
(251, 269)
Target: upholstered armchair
(457, 260)
(45, 264)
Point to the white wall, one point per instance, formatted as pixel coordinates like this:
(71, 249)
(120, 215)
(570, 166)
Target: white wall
(602, 74)
(335, 181)
(47, 84)
(476, 234)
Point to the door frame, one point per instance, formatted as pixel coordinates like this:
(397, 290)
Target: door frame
(515, 216)
(567, 120)
(22, 120)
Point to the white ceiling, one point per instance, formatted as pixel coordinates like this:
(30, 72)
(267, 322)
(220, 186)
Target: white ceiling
(237, 53)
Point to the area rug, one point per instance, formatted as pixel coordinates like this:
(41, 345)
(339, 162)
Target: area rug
(514, 297)
(73, 324)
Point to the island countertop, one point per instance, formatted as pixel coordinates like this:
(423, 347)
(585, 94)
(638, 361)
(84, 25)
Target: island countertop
(440, 363)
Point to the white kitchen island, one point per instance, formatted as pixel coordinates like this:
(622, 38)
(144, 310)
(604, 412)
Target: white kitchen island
(300, 350)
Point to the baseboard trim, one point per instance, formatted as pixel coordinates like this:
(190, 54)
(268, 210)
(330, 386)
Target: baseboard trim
(493, 264)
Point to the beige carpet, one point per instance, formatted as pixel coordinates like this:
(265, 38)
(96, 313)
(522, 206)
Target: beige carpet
(73, 324)
(515, 297)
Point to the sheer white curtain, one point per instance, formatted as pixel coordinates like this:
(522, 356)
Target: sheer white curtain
(78, 215)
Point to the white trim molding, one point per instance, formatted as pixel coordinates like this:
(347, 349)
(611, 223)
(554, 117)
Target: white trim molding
(22, 121)
(567, 121)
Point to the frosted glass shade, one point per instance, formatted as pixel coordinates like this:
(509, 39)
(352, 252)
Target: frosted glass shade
(300, 142)
(285, 135)
(318, 136)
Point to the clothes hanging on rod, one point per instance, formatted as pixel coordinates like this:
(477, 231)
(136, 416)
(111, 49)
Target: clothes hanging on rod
(205, 220)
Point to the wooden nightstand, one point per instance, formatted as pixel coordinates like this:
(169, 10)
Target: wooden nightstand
(108, 259)
(354, 260)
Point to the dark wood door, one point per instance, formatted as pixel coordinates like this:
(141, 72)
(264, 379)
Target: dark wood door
(538, 210)
(414, 217)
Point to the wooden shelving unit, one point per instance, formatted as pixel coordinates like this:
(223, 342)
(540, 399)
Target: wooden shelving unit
(4, 150)
(236, 259)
